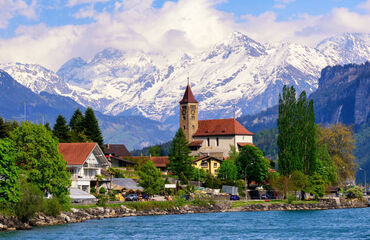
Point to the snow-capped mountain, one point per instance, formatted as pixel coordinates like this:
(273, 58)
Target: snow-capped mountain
(238, 75)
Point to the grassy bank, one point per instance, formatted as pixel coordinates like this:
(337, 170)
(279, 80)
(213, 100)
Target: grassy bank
(149, 205)
(246, 203)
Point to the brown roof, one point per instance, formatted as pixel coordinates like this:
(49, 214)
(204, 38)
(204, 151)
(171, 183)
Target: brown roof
(160, 161)
(117, 150)
(221, 127)
(245, 144)
(188, 96)
(76, 153)
(196, 143)
(206, 157)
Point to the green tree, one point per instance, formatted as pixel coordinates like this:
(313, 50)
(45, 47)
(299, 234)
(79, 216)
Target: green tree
(252, 165)
(9, 186)
(317, 185)
(325, 166)
(37, 153)
(61, 130)
(30, 202)
(180, 160)
(79, 137)
(340, 144)
(155, 151)
(297, 135)
(3, 129)
(92, 127)
(233, 154)
(228, 170)
(76, 121)
(150, 178)
(299, 182)
(47, 126)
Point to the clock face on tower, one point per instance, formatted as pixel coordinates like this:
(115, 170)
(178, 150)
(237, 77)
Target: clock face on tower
(183, 112)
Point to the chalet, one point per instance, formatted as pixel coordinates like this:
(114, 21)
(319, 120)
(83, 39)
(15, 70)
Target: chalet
(210, 137)
(116, 155)
(160, 162)
(84, 162)
(208, 163)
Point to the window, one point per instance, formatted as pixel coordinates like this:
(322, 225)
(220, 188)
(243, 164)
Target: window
(215, 165)
(204, 164)
(184, 127)
(217, 141)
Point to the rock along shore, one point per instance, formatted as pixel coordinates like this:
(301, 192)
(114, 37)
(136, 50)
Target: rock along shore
(80, 215)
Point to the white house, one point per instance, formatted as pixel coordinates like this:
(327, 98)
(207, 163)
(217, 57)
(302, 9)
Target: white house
(84, 162)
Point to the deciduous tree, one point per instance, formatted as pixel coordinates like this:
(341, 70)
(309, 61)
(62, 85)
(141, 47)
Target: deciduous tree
(9, 186)
(37, 153)
(340, 144)
(228, 170)
(151, 178)
(251, 164)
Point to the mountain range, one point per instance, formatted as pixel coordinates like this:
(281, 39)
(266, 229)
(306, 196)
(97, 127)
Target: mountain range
(134, 131)
(138, 95)
(237, 76)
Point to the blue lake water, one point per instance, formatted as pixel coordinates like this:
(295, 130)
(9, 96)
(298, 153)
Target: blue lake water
(322, 224)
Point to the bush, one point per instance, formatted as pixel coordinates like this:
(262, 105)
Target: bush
(354, 192)
(291, 198)
(51, 207)
(102, 190)
(93, 190)
(102, 200)
(29, 203)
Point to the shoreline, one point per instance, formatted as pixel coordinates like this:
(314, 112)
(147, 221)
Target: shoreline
(81, 215)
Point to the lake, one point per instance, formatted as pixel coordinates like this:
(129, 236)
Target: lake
(320, 224)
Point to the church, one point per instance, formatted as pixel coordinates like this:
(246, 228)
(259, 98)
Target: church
(210, 138)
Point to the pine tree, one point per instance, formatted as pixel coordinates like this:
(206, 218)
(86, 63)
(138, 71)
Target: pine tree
(76, 121)
(3, 129)
(61, 130)
(180, 161)
(47, 126)
(91, 125)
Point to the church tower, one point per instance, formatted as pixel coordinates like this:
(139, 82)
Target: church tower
(189, 114)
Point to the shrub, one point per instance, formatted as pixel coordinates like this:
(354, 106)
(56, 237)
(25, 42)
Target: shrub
(354, 192)
(51, 207)
(102, 200)
(29, 203)
(291, 198)
(93, 190)
(102, 190)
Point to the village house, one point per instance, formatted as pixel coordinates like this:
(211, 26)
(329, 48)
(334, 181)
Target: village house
(84, 162)
(210, 137)
(117, 155)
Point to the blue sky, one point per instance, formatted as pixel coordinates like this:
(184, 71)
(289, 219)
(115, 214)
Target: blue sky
(35, 30)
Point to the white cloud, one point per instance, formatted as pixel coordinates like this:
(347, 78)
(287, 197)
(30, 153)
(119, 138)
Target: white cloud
(10, 9)
(72, 3)
(178, 27)
(364, 5)
(280, 4)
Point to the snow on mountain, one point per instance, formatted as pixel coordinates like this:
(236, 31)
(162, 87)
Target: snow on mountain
(36, 78)
(237, 75)
(347, 48)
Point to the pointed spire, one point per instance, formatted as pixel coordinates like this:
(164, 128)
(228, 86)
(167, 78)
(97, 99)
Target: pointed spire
(188, 95)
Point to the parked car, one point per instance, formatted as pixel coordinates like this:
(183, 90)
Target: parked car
(132, 197)
(265, 196)
(145, 196)
(234, 197)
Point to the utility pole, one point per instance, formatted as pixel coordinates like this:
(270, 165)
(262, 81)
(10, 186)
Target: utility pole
(25, 112)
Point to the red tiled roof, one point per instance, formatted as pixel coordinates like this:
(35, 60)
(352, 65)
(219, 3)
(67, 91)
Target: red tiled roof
(221, 127)
(76, 153)
(117, 150)
(188, 96)
(196, 143)
(245, 144)
(160, 161)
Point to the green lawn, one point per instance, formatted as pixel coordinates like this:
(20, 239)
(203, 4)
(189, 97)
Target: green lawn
(246, 203)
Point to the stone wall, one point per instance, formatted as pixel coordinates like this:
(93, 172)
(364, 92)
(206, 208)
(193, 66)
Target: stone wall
(80, 215)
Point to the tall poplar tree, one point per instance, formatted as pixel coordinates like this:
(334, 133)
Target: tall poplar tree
(297, 133)
(180, 161)
(91, 125)
(61, 130)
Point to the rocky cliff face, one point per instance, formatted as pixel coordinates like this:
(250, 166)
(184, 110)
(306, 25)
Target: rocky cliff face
(343, 94)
